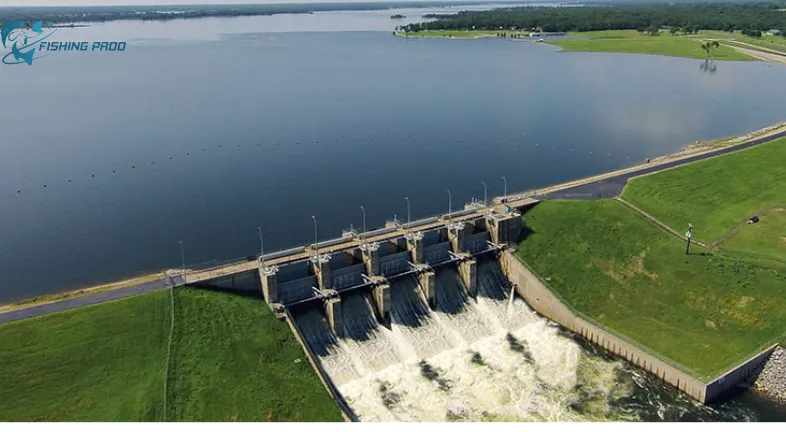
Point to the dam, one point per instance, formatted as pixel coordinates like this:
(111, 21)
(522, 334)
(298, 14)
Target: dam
(436, 320)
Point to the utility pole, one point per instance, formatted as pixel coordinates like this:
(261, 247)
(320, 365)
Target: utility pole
(689, 235)
(505, 191)
(485, 194)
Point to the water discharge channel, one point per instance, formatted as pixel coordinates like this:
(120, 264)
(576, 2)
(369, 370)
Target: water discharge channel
(485, 359)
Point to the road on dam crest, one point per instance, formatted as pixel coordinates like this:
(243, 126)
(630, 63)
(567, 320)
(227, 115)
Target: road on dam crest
(605, 188)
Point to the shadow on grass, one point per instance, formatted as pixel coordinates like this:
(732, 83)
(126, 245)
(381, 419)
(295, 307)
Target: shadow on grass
(242, 292)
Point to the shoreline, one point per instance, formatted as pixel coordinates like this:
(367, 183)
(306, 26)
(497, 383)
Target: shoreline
(689, 150)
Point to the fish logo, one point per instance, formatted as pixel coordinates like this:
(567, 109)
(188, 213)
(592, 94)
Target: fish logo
(23, 37)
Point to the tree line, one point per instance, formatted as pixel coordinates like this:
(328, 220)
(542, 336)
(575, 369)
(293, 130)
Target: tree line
(688, 18)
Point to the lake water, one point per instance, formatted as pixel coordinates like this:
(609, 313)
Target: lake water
(203, 130)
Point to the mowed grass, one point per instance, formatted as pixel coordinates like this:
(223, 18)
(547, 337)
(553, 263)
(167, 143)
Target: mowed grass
(629, 41)
(715, 195)
(232, 360)
(706, 312)
(97, 363)
(775, 43)
(460, 34)
(766, 238)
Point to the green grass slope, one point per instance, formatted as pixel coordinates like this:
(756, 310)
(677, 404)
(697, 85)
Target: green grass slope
(97, 363)
(626, 41)
(232, 360)
(706, 312)
(716, 195)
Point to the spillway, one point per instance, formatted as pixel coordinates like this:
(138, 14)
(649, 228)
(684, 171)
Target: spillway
(485, 359)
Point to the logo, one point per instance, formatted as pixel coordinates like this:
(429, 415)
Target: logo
(24, 38)
(27, 41)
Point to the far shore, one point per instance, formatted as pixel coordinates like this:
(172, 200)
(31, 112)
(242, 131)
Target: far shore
(688, 150)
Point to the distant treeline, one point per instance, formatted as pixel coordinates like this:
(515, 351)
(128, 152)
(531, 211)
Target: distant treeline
(70, 14)
(707, 16)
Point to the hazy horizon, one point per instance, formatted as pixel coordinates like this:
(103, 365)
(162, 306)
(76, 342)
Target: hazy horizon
(194, 2)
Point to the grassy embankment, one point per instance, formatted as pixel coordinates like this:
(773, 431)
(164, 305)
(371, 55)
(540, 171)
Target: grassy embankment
(230, 360)
(709, 310)
(631, 41)
(612, 41)
(774, 43)
(460, 34)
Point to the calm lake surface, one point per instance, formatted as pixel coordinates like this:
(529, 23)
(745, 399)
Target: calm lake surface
(203, 130)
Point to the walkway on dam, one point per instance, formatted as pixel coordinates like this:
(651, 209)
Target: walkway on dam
(612, 186)
(90, 299)
(597, 187)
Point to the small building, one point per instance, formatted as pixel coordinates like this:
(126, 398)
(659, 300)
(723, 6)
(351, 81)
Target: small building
(773, 32)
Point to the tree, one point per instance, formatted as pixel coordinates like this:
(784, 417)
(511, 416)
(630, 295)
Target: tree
(708, 46)
(674, 31)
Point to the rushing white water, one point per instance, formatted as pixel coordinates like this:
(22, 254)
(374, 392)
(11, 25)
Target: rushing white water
(489, 358)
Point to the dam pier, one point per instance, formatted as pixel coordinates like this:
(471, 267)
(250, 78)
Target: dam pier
(324, 272)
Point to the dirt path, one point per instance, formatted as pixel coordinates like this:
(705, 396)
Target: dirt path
(759, 54)
(657, 222)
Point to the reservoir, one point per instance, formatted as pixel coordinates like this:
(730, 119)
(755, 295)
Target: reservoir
(203, 130)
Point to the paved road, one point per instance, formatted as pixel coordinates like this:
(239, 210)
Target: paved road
(611, 187)
(89, 299)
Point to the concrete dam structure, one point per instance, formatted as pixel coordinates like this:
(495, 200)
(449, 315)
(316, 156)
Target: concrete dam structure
(436, 320)
(421, 322)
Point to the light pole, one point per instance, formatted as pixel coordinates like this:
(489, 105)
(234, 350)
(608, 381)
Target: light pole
(485, 193)
(261, 242)
(316, 242)
(182, 259)
(450, 203)
(363, 233)
(689, 234)
(409, 214)
(505, 191)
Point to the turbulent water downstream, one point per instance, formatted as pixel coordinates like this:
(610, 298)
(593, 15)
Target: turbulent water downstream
(479, 360)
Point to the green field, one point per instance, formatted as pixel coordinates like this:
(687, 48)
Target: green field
(230, 360)
(705, 311)
(459, 34)
(233, 361)
(766, 238)
(103, 362)
(775, 43)
(708, 310)
(630, 41)
(715, 195)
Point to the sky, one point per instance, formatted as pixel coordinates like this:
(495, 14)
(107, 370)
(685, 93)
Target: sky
(142, 2)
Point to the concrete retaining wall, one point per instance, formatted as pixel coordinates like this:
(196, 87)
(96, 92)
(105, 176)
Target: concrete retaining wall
(730, 379)
(546, 303)
(346, 411)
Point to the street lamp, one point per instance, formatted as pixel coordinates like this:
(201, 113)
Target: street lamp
(409, 214)
(450, 203)
(505, 191)
(261, 242)
(362, 233)
(485, 193)
(689, 235)
(316, 243)
(183, 259)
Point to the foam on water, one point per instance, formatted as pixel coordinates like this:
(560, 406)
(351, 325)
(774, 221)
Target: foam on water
(485, 359)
